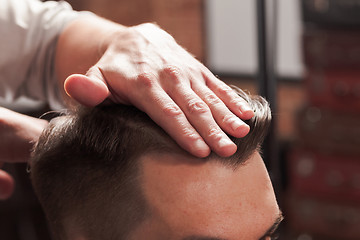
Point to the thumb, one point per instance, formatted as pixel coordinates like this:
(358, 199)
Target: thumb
(89, 90)
(6, 185)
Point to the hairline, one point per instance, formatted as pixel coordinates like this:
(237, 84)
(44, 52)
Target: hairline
(168, 148)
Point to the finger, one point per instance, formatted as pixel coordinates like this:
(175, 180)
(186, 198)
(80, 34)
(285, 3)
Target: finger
(226, 119)
(231, 99)
(163, 110)
(199, 115)
(6, 185)
(89, 90)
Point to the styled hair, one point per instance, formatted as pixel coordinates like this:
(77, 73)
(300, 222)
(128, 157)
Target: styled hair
(85, 172)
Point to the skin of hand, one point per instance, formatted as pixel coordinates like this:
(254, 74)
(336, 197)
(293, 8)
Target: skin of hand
(18, 133)
(144, 66)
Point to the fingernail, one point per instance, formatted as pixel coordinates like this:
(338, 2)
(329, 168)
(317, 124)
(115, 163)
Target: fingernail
(224, 142)
(246, 108)
(236, 124)
(246, 111)
(201, 148)
(244, 131)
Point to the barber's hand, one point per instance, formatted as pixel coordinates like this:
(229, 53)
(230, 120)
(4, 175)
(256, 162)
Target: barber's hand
(145, 67)
(18, 133)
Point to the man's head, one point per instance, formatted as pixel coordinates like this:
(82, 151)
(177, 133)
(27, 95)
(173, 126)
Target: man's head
(112, 173)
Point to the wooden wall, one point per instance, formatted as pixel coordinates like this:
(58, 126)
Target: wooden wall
(183, 19)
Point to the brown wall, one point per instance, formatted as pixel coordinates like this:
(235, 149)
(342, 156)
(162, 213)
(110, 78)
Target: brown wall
(184, 19)
(181, 18)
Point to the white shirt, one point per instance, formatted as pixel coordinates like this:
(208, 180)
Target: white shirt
(29, 30)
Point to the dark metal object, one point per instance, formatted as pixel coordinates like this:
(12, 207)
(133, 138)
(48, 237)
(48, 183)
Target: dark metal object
(267, 85)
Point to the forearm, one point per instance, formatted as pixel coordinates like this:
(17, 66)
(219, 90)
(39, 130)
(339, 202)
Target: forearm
(82, 44)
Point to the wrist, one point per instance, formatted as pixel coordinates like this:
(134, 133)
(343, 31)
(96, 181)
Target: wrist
(81, 44)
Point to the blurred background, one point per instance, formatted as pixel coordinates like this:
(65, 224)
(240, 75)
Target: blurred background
(313, 52)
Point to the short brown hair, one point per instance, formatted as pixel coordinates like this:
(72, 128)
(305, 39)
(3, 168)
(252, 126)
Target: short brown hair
(85, 170)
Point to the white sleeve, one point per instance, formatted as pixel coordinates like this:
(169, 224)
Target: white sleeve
(28, 35)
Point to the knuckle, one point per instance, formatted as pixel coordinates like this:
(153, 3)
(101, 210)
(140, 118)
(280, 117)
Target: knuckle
(172, 110)
(94, 71)
(172, 73)
(238, 102)
(228, 119)
(212, 99)
(215, 134)
(172, 70)
(146, 80)
(235, 101)
(225, 90)
(190, 135)
(197, 107)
